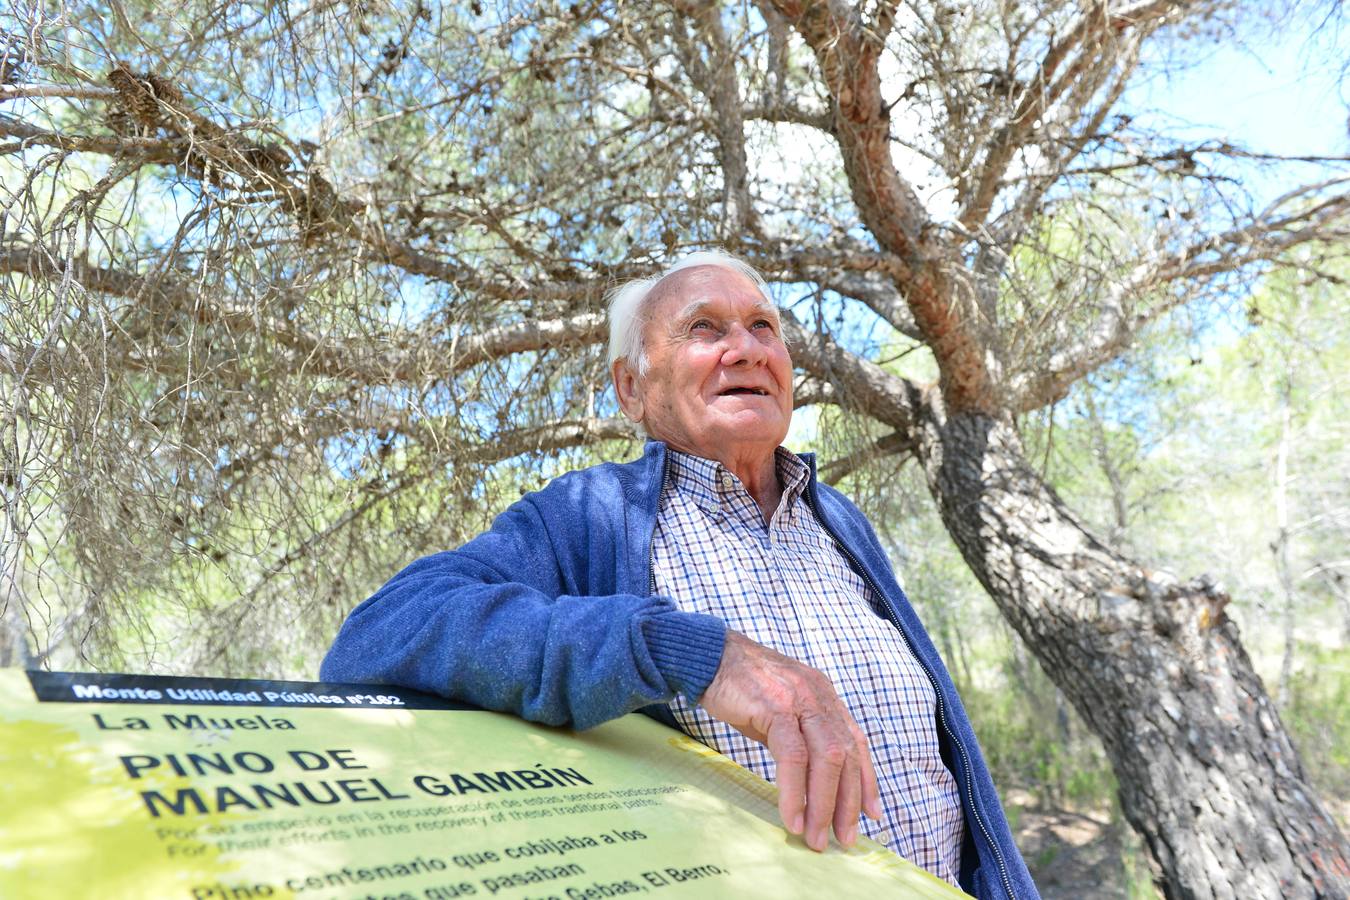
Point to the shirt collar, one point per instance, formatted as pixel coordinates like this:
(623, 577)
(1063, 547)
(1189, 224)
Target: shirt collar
(709, 483)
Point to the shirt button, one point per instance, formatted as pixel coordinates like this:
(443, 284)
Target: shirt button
(884, 836)
(726, 481)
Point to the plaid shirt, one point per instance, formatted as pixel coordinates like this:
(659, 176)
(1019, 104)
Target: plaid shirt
(788, 586)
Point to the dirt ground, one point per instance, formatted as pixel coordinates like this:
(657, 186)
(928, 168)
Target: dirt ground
(1083, 855)
(1073, 855)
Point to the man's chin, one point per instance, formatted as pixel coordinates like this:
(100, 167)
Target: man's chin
(750, 429)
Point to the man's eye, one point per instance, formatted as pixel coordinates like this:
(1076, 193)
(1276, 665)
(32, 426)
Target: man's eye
(700, 325)
(764, 323)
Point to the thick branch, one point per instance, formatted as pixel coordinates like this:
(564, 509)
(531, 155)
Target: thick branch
(878, 294)
(550, 436)
(862, 273)
(587, 328)
(789, 113)
(863, 385)
(150, 150)
(847, 53)
(68, 92)
(886, 445)
(807, 390)
(415, 356)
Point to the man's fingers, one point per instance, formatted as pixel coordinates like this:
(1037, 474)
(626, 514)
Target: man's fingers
(871, 793)
(785, 743)
(847, 801)
(830, 747)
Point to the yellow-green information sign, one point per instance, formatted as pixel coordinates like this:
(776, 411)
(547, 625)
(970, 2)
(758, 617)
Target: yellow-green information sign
(214, 789)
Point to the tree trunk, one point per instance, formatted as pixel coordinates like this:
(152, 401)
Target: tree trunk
(1208, 775)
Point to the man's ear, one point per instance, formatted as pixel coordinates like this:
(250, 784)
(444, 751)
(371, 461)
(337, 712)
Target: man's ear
(628, 390)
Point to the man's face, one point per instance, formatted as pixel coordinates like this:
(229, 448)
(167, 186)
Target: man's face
(718, 381)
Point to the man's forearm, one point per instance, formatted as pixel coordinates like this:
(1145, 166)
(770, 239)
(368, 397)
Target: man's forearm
(448, 624)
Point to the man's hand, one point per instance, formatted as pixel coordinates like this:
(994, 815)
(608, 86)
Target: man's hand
(824, 769)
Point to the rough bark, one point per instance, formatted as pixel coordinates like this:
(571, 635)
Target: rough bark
(1208, 775)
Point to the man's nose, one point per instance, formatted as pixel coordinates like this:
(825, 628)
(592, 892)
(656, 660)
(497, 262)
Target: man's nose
(741, 346)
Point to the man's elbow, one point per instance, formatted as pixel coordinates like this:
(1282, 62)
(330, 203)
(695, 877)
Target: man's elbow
(349, 662)
(335, 668)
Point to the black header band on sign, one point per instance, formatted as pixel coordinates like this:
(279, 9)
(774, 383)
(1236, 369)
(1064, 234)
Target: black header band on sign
(93, 687)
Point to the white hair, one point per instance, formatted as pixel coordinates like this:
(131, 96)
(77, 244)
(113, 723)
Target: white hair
(627, 326)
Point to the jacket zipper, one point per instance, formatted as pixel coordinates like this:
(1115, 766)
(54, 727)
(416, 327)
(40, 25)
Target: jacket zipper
(651, 549)
(937, 692)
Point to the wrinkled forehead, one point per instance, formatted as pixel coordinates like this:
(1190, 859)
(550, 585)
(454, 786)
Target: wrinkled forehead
(691, 291)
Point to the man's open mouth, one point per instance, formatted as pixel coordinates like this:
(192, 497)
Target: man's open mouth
(754, 392)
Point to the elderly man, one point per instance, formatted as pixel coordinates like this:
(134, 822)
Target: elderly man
(715, 585)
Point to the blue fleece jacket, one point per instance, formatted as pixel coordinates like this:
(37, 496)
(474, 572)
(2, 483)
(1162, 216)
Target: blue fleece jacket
(550, 615)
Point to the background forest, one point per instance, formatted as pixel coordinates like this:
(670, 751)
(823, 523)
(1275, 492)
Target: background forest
(291, 294)
(1237, 466)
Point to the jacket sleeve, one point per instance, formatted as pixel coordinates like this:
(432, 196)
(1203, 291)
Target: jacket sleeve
(491, 624)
